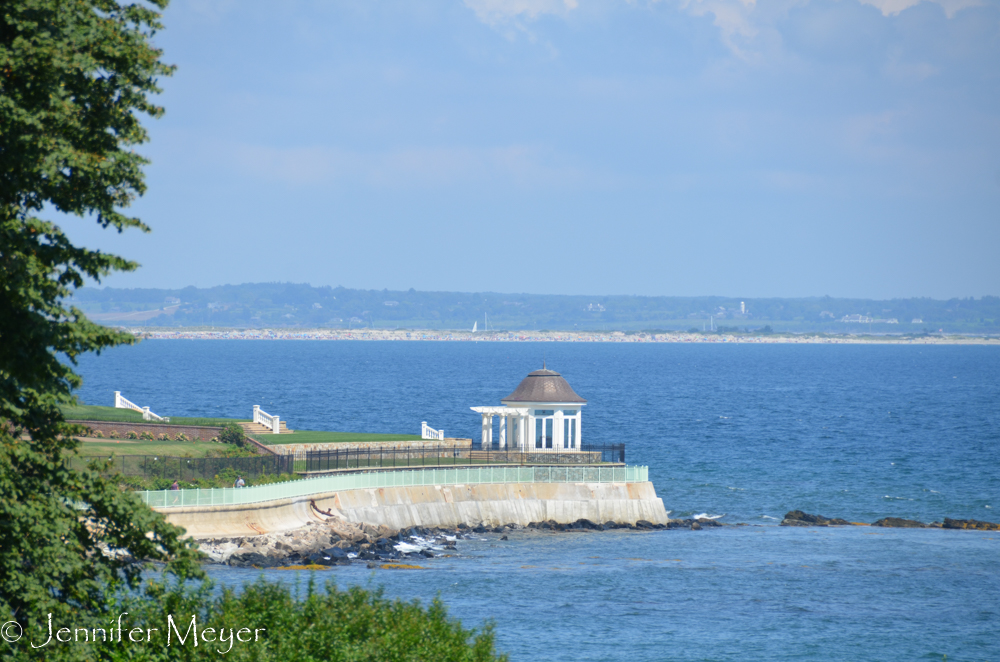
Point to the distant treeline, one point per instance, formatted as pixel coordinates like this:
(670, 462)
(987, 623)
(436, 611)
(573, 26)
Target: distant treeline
(295, 305)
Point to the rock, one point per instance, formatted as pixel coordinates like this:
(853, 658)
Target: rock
(797, 522)
(695, 526)
(799, 518)
(704, 521)
(503, 537)
(335, 553)
(252, 559)
(970, 524)
(900, 523)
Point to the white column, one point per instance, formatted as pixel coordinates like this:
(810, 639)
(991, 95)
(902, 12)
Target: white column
(256, 408)
(557, 433)
(277, 424)
(490, 431)
(482, 442)
(579, 418)
(503, 432)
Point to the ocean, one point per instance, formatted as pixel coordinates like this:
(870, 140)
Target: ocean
(744, 431)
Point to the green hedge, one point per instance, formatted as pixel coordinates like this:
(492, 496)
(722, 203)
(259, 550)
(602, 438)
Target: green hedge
(326, 624)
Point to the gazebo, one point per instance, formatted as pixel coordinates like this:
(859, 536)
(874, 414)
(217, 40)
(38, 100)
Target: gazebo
(542, 415)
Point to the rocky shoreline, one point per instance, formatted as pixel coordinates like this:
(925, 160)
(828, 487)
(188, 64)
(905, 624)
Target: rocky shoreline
(339, 542)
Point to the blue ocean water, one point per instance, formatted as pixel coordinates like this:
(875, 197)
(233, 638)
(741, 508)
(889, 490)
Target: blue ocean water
(749, 431)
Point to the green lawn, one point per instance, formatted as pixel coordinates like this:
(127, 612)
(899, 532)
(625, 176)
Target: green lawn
(323, 437)
(95, 413)
(105, 448)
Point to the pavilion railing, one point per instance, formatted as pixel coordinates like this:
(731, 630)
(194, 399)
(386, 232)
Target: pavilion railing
(450, 455)
(399, 478)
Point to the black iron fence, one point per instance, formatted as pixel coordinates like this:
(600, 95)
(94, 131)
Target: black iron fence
(188, 468)
(448, 456)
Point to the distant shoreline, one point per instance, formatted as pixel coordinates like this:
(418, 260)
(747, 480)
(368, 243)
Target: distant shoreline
(553, 336)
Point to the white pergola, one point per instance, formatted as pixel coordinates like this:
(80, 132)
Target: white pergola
(515, 418)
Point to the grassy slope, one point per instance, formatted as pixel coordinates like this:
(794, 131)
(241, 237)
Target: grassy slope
(105, 448)
(95, 413)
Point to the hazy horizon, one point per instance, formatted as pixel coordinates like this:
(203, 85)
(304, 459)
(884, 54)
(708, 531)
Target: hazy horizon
(778, 148)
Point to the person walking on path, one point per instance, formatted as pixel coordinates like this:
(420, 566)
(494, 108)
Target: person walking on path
(239, 482)
(175, 486)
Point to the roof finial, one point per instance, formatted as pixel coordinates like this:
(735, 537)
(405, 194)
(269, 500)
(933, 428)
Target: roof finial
(543, 363)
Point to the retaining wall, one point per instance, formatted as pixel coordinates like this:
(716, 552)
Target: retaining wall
(364, 447)
(199, 432)
(433, 506)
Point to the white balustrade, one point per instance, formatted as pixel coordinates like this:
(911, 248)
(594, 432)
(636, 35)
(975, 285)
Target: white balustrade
(123, 403)
(263, 418)
(427, 432)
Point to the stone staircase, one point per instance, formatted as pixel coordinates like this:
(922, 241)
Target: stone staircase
(254, 429)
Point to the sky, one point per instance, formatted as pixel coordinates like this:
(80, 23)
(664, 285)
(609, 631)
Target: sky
(681, 147)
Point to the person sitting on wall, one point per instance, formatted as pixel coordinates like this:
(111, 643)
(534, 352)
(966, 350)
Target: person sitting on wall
(239, 482)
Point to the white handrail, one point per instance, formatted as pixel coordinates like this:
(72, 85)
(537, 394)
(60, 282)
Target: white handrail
(427, 432)
(124, 403)
(263, 418)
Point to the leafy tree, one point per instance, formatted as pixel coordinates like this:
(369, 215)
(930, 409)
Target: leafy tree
(233, 434)
(75, 79)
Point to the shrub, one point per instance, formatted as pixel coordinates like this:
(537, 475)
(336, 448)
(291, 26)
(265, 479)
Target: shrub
(113, 434)
(233, 434)
(214, 440)
(148, 436)
(98, 434)
(323, 624)
(132, 434)
(181, 437)
(163, 436)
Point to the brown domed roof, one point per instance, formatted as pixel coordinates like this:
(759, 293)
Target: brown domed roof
(543, 386)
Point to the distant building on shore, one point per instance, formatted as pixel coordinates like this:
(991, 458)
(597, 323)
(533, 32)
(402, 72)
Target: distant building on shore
(543, 414)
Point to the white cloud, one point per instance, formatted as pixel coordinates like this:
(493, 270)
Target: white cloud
(743, 24)
(493, 12)
(894, 7)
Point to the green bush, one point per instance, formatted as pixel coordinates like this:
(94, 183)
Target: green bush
(132, 435)
(148, 436)
(325, 624)
(233, 434)
(181, 437)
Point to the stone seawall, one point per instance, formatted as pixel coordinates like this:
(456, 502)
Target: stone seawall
(433, 506)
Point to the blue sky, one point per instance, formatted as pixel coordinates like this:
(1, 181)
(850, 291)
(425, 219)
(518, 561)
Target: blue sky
(739, 148)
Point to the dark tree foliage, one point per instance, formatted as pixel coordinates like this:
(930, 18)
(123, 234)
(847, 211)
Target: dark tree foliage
(75, 79)
(233, 434)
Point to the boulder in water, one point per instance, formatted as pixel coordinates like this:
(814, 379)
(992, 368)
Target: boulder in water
(899, 523)
(970, 524)
(799, 518)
